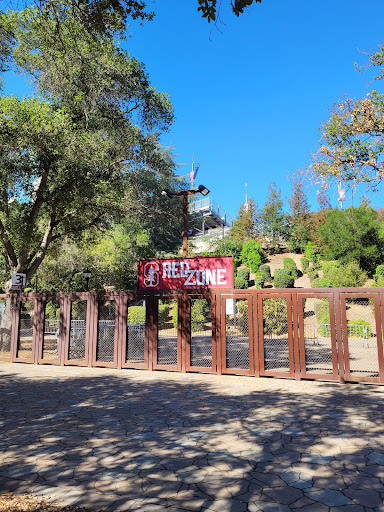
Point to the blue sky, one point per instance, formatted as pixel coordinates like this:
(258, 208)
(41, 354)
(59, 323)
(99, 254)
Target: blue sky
(249, 98)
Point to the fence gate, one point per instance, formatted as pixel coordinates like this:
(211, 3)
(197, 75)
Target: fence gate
(276, 343)
(319, 357)
(79, 329)
(168, 324)
(237, 355)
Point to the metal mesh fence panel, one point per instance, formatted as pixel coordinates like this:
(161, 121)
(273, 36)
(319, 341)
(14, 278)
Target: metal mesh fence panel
(167, 333)
(24, 342)
(51, 330)
(317, 336)
(6, 310)
(362, 344)
(77, 332)
(201, 333)
(237, 335)
(276, 352)
(105, 349)
(135, 352)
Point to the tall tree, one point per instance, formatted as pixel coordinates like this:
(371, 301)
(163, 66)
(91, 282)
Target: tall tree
(65, 156)
(274, 222)
(300, 218)
(352, 145)
(246, 226)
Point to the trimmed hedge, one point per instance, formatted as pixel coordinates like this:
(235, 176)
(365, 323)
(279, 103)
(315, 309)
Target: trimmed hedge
(304, 264)
(136, 315)
(283, 279)
(290, 265)
(244, 273)
(266, 271)
(240, 283)
(259, 279)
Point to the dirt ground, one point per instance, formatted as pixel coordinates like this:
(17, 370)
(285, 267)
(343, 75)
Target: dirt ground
(10, 502)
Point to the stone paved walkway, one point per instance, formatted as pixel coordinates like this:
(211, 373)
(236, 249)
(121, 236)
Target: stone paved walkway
(155, 441)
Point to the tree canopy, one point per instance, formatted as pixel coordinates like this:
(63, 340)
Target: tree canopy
(352, 144)
(69, 157)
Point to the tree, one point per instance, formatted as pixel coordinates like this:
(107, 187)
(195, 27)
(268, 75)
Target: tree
(107, 16)
(65, 156)
(352, 145)
(353, 235)
(300, 218)
(274, 222)
(246, 225)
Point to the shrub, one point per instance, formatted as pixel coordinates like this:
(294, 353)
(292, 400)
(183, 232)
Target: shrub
(254, 261)
(379, 272)
(380, 281)
(240, 283)
(266, 271)
(244, 273)
(290, 265)
(275, 316)
(304, 264)
(283, 279)
(349, 276)
(323, 282)
(242, 308)
(200, 314)
(312, 273)
(323, 317)
(163, 314)
(250, 246)
(359, 328)
(313, 254)
(259, 279)
(136, 315)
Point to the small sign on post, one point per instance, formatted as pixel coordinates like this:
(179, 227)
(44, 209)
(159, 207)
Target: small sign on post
(18, 281)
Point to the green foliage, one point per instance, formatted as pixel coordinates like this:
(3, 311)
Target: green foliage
(136, 315)
(242, 307)
(349, 275)
(323, 317)
(240, 283)
(283, 279)
(251, 254)
(304, 264)
(379, 272)
(246, 225)
(175, 313)
(225, 247)
(290, 266)
(66, 155)
(275, 316)
(200, 314)
(312, 254)
(321, 283)
(380, 281)
(244, 273)
(259, 279)
(52, 310)
(274, 222)
(353, 235)
(164, 310)
(359, 328)
(210, 10)
(265, 270)
(300, 218)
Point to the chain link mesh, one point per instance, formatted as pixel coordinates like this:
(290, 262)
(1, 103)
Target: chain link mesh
(237, 335)
(51, 330)
(167, 333)
(136, 332)
(24, 342)
(276, 352)
(362, 341)
(201, 333)
(78, 330)
(105, 350)
(317, 336)
(6, 310)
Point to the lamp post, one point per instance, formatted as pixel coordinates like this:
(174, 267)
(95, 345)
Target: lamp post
(185, 193)
(87, 277)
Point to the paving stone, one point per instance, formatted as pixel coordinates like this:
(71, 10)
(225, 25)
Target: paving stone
(328, 497)
(376, 457)
(285, 495)
(364, 497)
(227, 505)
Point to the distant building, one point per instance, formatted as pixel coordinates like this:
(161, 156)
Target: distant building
(211, 222)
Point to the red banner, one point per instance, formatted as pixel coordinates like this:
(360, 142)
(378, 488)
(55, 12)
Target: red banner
(186, 273)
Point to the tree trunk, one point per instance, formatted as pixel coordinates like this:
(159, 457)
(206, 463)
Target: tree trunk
(5, 325)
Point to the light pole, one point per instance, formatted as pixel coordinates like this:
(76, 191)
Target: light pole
(87, 277)
(185, 193)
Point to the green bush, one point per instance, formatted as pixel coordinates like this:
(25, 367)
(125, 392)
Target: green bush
(251, 254)
(163, 314)
(200, 314)
(359, 328)
(240, 283)
(304, 264)
(323, 282)
(283, 279)
(242, 308)
(275, 316)
(244, 273)
(312, 273)
(290, 265)
(380, 281)
(259, 280)
(323, 317)
(313, 254)
(254, 261)
(136, 315)
(175, 312)
(379, 272)
(266, 271)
